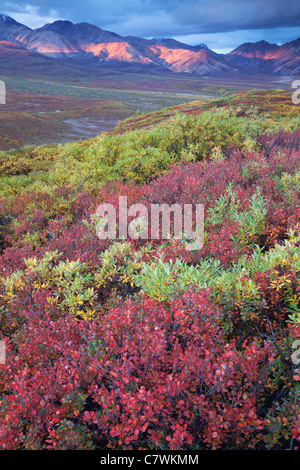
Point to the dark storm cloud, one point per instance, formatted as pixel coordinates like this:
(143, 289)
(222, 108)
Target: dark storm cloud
(231, 15)
(168, 18)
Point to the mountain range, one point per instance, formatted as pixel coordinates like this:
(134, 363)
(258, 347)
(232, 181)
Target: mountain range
(69, 44)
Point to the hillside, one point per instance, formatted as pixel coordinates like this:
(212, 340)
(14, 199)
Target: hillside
(146, 141)
(139, 342)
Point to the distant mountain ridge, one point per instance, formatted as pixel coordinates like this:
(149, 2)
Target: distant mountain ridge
(63, 40)
(272, 58)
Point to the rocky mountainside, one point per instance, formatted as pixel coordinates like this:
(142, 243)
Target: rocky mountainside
(257, 50)
(63, 40)
(269, 58)
(11, 30)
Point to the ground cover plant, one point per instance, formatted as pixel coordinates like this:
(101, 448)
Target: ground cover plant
(142, 344)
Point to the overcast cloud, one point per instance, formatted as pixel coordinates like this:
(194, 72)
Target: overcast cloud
(221, 24)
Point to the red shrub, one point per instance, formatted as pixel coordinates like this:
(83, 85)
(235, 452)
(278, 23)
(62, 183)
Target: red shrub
(144, 376)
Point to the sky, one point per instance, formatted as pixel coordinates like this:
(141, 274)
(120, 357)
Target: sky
(220, 24)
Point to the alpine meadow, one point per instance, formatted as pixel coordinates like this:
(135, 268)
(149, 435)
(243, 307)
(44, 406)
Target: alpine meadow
(135, 342)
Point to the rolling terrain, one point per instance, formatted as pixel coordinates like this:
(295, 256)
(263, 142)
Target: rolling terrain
(70, 81)
(129, 342)
(43, 111)
(140, 343)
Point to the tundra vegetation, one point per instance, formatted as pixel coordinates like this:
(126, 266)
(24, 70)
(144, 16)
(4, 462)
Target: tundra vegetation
(141, 344)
